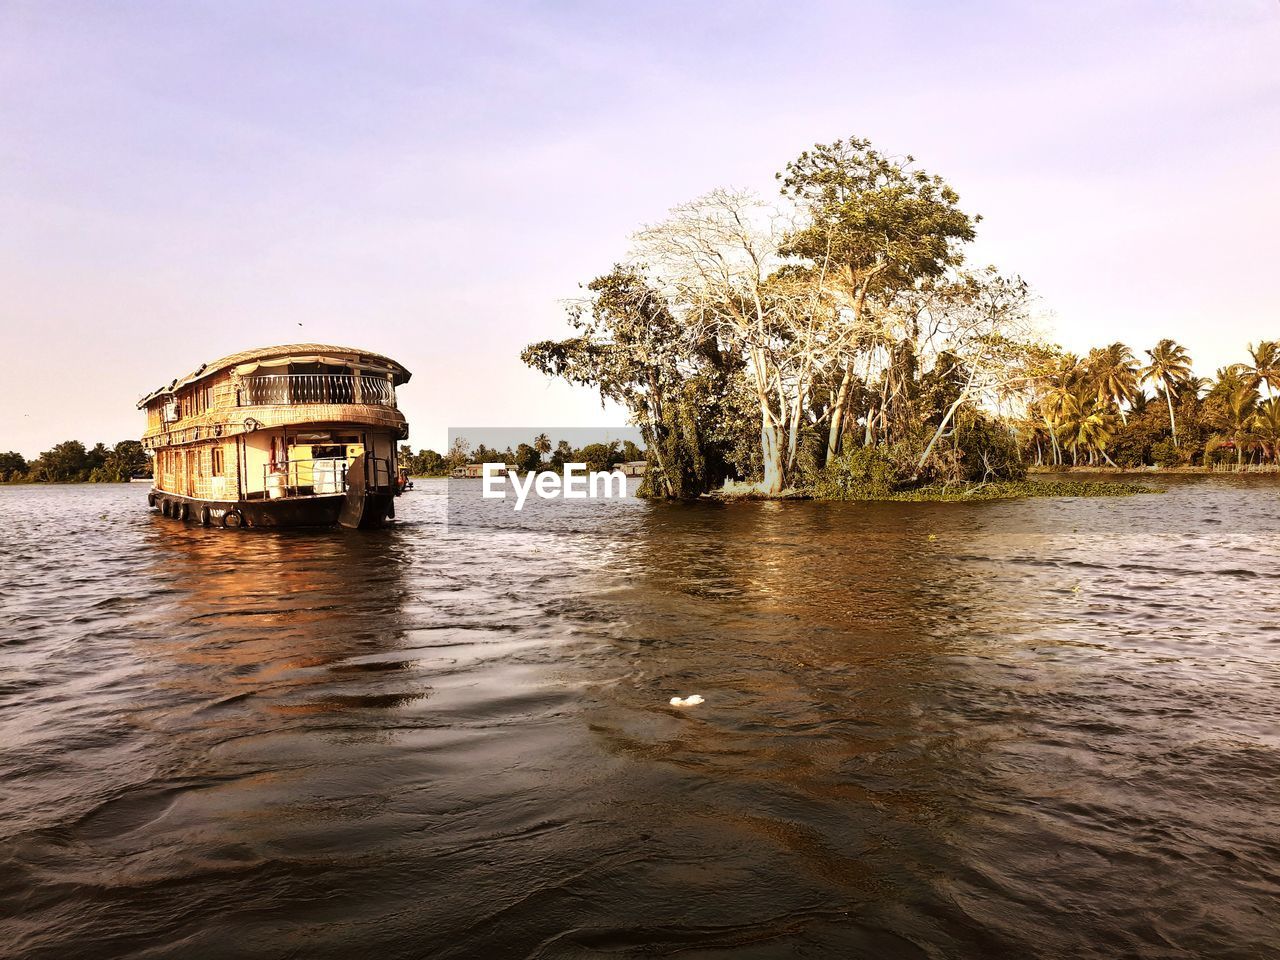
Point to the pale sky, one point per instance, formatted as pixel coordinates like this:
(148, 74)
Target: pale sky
(181, 180)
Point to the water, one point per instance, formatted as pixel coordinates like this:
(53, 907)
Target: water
(1045, 728)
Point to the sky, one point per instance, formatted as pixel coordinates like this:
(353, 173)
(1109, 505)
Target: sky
(433, 181)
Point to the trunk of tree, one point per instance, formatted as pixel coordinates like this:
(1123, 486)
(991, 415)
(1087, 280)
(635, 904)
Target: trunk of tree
(771, 452)
(1173, 427)
(837, 414)
(770, 435)
(951, 412)
(655, 419)
(793, 428)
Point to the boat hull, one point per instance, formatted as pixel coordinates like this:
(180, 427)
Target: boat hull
(284, 512)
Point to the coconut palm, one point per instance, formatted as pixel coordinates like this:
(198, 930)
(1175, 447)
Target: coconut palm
(1092, 427)
(1059, 401)
(1114, 374)
(1057, 407)
(1266, 364)
(1239, 415)
(542, 444)
(1230, 379)
(1169, 367)
(1266, 427)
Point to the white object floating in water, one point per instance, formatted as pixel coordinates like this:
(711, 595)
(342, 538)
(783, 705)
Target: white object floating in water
(690, 701)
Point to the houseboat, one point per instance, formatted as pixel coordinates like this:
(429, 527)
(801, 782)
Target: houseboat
(297, 435)
(474, 471)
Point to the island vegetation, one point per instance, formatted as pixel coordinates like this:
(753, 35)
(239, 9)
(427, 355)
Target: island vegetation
(836, 343)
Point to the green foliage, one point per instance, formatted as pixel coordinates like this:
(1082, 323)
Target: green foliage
(599, 456)
(679, 466)
(13, 466)
(1016, 489)
(864, 473)
(987, 451)
(871, 473)
(1133, 443)
(529, 456)
(1164, 453)
(886, 224)
(673, 379)
(424, 463)
(70, 462)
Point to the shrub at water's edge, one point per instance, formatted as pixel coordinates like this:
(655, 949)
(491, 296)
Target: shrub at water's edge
(1015, 489)
(874, 473)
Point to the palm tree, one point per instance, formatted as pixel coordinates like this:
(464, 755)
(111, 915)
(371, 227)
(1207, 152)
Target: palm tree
(1092, 428)
(542, 444)
(1266, 426)
(1114, 373)
(1241, 406)
(1229, 379)
(1170, 366)
(1059, 402)
(1193, 387)
(1266, 364)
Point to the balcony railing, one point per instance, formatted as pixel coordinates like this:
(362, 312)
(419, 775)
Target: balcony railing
(315, 388)
(322, 477)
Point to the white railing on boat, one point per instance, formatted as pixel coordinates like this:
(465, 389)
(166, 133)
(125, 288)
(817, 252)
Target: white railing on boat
(322, 477)
(286, 388)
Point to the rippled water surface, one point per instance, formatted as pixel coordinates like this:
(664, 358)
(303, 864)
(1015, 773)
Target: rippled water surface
(1046, 728)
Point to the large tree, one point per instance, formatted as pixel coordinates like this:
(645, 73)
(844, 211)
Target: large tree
(13, 466)
(1114, 374)
(872, 226)
(1265, 369)
(632, 347)
(1169, 368)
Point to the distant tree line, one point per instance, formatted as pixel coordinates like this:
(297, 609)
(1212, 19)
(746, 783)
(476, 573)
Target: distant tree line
(538, 454)
(70, 462)
(1096, 409)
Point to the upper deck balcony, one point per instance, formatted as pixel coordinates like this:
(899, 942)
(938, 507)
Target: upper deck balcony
(294, 388)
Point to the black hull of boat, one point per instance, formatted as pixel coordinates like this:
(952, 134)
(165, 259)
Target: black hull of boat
(285, 512)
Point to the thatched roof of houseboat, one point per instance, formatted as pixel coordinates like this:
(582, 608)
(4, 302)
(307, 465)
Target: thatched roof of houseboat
(301, 352)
